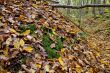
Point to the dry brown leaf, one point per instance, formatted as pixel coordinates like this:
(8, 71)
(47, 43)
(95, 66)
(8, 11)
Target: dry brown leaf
(52, 45)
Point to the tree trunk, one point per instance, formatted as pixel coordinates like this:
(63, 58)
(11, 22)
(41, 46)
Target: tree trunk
(68, 10)
(94, 11)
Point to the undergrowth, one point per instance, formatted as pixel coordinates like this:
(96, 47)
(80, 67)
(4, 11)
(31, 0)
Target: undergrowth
(52, 52)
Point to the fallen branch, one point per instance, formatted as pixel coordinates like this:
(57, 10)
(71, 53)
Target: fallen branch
(78, 7)
(53, 1)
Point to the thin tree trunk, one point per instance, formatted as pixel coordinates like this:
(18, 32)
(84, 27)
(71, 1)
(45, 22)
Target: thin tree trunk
(68, 10)
(87, 9)
(94, 11)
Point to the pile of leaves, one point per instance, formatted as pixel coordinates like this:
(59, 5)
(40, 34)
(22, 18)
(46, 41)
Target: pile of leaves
(36, 39)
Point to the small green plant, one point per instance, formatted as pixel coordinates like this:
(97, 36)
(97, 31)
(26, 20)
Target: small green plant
(46, 30)
(59, 44)
(30, 27)
(22, 28)
(52, 53)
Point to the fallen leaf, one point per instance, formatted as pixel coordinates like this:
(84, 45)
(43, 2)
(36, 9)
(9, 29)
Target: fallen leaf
(22, 42)
(8, 41)
(52, 45)
(103, 61)
(62, 50)
(5, 52)
(1, 24)
(12, 30)
(29, 37)
(0, 17)
(33, 16)
(32, 70)
(3, 57)
(78, 68)
(52, 71)
(61, 61)
(47, 68)
(11, 20)
(38, 65)
(25, 68)
(28, 49)
(26, 32)
(53, 30)
(16, 43)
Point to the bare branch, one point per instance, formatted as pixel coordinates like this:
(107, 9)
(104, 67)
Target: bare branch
(79, 7)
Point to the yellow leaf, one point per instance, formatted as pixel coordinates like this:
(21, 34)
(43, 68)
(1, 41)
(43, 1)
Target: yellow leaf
(41, 71)
(53, 30)
(22, 42)
(28, 49)
(16, 43)
(26, 32)
(38, 65)
(0, 17)
(61, 61)
(91, 70)
(78, 68)
(8, 40)
(21, 17)
(74, 31)
(12, 30)
(5, 52)
(33, 16)
(60, 26)
(103, 61)
(62, 50)
(35, 5)
(97, 54)
(47, 68)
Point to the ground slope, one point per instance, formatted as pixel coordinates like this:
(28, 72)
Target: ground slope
(36, 39)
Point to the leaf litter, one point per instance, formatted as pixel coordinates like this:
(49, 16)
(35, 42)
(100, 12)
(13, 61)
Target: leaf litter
(36, 39)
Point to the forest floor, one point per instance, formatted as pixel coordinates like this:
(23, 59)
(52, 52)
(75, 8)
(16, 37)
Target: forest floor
(98, 31)
(36, 39)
